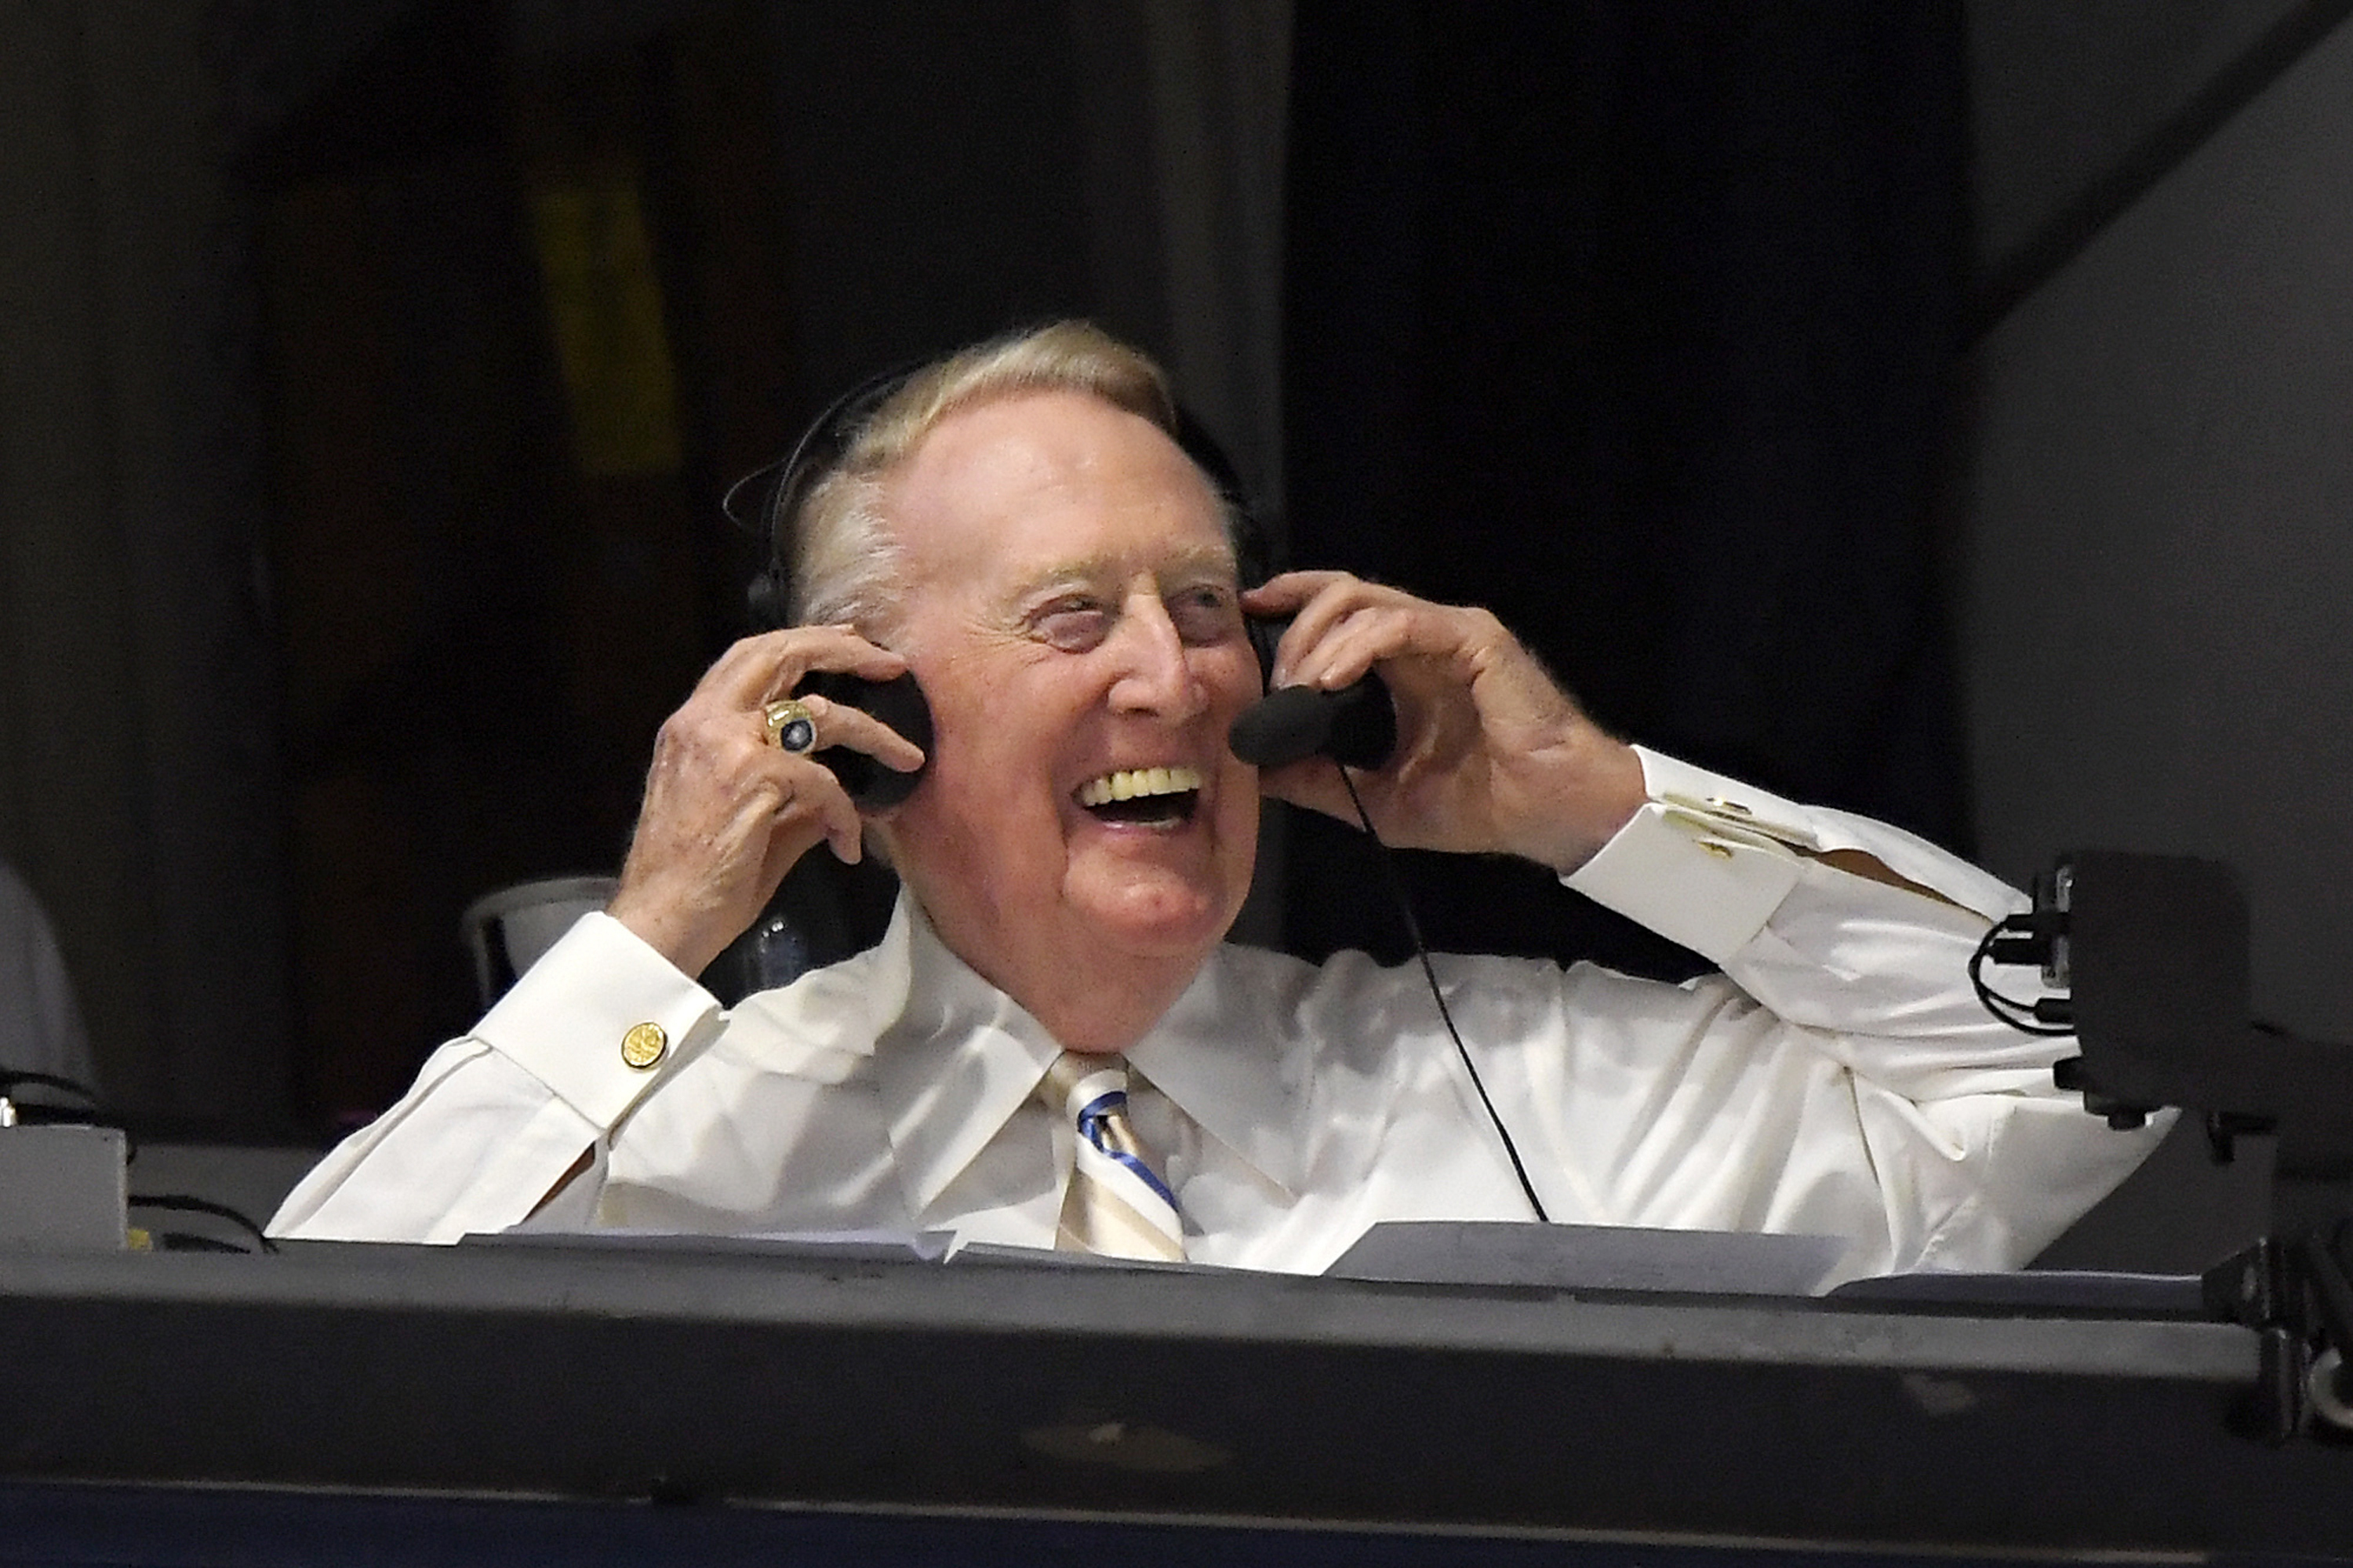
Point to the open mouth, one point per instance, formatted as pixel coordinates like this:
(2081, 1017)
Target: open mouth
(1148, 797)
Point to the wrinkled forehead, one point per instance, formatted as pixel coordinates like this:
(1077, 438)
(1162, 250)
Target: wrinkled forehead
(1182, 565)
(1054, 480)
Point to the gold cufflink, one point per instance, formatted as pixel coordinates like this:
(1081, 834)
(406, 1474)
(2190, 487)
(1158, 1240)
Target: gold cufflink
(643, 1046)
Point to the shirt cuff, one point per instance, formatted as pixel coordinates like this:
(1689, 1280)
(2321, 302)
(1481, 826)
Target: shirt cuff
(1704, 862)
(599, 1019)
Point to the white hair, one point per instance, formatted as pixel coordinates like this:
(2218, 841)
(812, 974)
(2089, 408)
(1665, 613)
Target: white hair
(847, 565)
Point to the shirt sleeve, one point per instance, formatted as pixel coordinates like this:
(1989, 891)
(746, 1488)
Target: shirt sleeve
(498, 1119)
(1848, 1069)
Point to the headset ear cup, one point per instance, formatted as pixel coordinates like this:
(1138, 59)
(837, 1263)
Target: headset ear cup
(765, 597)
(1254, 559)
(1253, 550)
(1265, 631)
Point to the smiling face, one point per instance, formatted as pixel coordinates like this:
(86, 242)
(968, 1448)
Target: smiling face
(1084, 837)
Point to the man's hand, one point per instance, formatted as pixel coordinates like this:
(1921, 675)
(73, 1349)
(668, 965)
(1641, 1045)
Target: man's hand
(726, 812)
(1492, 755)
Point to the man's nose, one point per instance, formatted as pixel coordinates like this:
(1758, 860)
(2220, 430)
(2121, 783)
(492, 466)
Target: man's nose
(1155, 673)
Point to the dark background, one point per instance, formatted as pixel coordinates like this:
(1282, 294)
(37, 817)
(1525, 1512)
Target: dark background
(1931, 409)
(1637, 324)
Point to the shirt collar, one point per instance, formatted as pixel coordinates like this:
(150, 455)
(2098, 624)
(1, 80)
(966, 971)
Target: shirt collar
(961, 1057)
(954, 1066)
(1213, 1054)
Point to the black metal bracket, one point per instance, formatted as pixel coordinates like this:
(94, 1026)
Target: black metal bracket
(2292, 1292)
(2152, 952)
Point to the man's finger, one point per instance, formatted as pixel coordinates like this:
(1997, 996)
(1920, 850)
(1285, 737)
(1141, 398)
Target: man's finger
(825, 806)
(1347, 652)
(1338, 599)
(772, 663)
(838, 723)
(1285, 592)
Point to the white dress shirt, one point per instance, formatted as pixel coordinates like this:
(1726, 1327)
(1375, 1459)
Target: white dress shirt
(1838, 1077)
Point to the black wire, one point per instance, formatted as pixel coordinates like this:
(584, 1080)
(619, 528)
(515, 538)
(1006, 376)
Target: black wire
(181, 1204)
(2019, 1015)
(13, 1078)
(1422, 951)
(38, 1112)
(189, 1241)
(38, 1115)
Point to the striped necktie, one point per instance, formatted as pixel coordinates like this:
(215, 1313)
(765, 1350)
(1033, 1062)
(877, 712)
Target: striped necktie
(1116, 1206)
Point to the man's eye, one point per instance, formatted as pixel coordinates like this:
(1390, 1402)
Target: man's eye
(1074, 625)
(1207, 614)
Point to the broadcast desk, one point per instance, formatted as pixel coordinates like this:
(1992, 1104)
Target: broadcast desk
(491, 1403)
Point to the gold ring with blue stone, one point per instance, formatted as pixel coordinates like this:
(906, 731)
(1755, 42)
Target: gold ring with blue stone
(790, 725)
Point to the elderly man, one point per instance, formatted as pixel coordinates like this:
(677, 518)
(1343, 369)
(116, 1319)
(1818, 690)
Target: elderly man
(1016, 526)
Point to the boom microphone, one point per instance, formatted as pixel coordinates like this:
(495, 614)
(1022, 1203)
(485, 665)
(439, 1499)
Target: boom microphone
(1356, 726)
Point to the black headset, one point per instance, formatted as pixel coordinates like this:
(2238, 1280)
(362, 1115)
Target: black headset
(784, 487)
(1356, 727)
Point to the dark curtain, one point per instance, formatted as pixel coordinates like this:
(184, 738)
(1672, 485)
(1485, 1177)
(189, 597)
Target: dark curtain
(1635, 322)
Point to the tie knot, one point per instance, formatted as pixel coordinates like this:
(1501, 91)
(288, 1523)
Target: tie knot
(1078, 1080)
(1117, 1204)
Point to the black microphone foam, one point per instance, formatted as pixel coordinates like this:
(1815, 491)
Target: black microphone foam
(1356, 726)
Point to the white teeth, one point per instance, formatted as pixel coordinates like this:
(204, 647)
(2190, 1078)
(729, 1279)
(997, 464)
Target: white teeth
(1129, 782)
